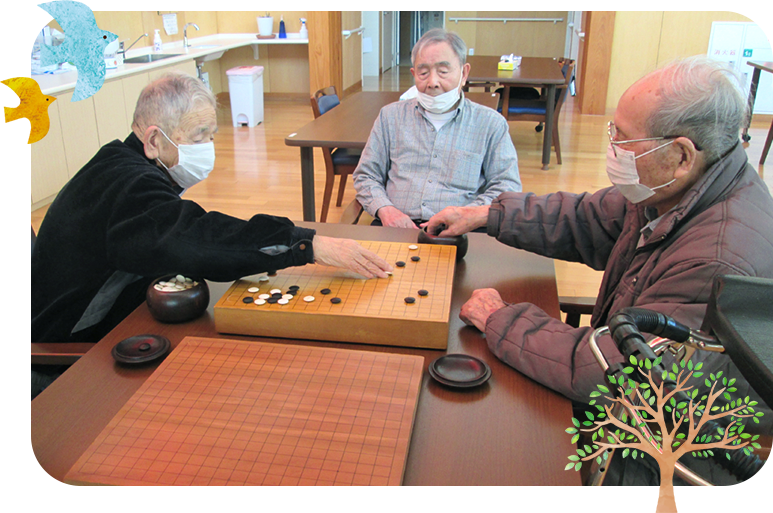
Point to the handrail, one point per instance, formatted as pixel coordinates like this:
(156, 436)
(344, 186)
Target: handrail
(348, 33)
(505, 20)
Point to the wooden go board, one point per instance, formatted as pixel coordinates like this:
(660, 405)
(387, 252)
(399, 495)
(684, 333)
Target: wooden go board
(370, 311)
(222, 412)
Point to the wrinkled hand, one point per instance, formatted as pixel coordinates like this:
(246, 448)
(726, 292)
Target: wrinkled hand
(347, 254)
(457, 220)
(477, 309)
(391, 216)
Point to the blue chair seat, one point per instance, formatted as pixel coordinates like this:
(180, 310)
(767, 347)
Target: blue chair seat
(346, 156)
(525, 107)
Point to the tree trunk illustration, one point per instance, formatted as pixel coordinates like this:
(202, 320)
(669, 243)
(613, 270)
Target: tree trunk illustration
(666, 499)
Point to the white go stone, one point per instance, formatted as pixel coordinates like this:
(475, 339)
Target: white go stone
(264, 296)
(253, 290)
(274, 291)
(283, 301)
(309, 299)
(260, 301)
(288, 296)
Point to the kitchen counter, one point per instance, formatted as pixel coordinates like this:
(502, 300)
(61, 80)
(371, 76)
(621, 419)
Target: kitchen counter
(62, 82)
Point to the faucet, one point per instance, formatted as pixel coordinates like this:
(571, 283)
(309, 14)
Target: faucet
(185, 33)
(121, 48)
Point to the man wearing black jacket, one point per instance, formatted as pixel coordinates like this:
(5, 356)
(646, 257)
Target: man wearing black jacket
(120, 223)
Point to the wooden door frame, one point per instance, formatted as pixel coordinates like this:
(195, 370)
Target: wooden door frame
(595, 60)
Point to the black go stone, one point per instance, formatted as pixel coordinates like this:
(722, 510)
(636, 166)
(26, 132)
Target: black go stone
(410, 300)
(248, 300)
(423, 292)
(272, 300)
(400, 263)
(325, 291)
(415, 258)
(335, 300)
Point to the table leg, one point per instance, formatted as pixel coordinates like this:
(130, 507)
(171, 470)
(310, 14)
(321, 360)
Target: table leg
(307, 183)
(752, 96)
(505, 100)
(547, 136)
(766, 148)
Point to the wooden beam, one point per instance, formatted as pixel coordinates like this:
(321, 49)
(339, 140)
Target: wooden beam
(325, 50)
(595, 61)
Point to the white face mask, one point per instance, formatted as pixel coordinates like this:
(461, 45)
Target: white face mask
(442, 102)
(194, 162)
(621, 170)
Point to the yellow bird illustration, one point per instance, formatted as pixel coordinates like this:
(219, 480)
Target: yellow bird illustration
(33, 106)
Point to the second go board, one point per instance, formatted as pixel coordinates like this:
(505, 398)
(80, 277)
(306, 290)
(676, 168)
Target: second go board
(411, 308)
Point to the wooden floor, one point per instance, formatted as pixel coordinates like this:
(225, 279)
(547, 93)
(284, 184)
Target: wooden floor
(256, 173)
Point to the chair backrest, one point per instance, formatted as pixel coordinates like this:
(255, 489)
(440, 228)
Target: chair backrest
(324, 100)
(567, 68)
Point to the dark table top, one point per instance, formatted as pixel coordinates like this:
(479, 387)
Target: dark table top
(349, 124)
(509, 431)
(763, 65)
(532, 71)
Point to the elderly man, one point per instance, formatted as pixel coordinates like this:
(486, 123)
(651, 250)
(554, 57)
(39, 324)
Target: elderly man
(686, 206)
(438, 149)
(120, 223)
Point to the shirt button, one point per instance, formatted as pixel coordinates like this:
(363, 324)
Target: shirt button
(430, 181)
(434, 156)
(302, 247)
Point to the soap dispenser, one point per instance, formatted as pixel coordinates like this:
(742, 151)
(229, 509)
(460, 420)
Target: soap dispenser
(304, 32)
(157, 42)
(282, 31)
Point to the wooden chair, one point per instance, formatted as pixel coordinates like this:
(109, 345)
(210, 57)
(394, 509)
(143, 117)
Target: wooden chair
(57, 353)
(520, 109)
(338, 162)
(574, 307)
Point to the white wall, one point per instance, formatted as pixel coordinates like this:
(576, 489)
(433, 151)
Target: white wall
(370, 60)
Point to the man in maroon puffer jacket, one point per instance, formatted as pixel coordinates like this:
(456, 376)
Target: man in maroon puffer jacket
(685, 207)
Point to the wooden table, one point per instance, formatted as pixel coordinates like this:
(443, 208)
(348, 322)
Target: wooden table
(534, 72)
(758, 68)
(347, 126)
(509, 431)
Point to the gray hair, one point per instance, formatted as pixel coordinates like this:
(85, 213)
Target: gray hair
(439, 35)
(700, 99)
(166, 100)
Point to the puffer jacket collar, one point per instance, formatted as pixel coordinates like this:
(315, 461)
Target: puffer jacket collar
(714, 185)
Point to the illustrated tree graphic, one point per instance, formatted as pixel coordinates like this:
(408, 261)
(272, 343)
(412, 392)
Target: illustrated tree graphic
(664, 418)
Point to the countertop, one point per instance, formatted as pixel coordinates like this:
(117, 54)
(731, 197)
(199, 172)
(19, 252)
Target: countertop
(62, 82)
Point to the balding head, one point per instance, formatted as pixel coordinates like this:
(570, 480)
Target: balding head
(165, 102)
(697, 98)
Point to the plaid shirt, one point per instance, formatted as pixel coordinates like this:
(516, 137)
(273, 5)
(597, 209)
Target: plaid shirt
(408, 164)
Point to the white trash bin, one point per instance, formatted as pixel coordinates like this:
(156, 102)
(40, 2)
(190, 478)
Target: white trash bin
(245, 85)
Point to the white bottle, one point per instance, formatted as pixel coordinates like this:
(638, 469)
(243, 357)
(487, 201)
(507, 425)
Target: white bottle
(304, 33)
(157, 42)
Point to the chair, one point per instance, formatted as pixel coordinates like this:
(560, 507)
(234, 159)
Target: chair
(574, 307)
(56, 353)
(338, 162)
(521, 109)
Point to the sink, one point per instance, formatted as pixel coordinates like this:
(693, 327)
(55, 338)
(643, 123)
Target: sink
(151, 57)
(210, 56)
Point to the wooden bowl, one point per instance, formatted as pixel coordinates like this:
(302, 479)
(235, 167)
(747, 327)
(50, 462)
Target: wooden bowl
(459, 241)
(179, 305)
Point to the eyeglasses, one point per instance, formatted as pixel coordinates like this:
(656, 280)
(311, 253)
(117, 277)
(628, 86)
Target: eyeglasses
(612, 132)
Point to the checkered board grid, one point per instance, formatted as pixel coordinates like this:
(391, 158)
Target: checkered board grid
(362, 301)
(221, 412)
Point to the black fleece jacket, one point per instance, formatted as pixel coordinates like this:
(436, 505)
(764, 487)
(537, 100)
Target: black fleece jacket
(121, 212)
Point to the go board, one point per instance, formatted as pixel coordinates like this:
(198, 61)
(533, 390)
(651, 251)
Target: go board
(223, 412)
(371, 311)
